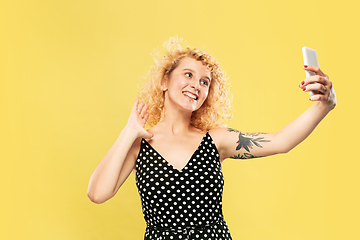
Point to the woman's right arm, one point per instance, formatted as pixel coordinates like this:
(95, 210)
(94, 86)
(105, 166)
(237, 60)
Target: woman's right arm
(119, 161)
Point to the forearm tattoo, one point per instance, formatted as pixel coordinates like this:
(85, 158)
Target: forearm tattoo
(247, 141)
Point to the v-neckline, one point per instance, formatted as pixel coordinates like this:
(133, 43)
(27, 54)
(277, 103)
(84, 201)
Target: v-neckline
(188, 161)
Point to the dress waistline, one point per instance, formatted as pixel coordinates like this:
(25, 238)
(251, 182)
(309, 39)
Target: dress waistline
(186, 230)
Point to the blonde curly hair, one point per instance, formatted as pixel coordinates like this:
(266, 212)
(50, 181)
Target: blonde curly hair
(216, 109)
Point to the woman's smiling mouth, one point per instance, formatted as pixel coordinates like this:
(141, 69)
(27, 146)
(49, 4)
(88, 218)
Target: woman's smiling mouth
(191, 95)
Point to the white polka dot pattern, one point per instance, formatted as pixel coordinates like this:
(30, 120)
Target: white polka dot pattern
(185, 204)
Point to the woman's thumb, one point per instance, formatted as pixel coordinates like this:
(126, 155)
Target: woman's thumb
(150, 134)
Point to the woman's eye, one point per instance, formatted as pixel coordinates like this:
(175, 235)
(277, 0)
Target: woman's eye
(204, 82)
(188, 75)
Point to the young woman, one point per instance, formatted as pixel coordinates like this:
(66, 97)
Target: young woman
(177, 162)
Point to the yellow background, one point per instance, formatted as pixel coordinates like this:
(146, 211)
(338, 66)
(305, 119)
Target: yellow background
(69, 73)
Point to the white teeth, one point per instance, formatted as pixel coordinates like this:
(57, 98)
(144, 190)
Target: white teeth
(190, 95)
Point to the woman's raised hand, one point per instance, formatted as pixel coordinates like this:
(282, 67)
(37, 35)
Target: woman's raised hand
(138, 118)
(320, 85)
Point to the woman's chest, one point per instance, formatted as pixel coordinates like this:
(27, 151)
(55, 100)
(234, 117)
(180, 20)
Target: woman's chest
(177, 152)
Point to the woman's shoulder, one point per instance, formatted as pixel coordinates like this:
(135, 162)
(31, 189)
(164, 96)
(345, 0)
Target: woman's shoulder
(218, 135)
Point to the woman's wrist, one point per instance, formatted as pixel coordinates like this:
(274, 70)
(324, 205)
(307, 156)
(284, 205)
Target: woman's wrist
(130, 132)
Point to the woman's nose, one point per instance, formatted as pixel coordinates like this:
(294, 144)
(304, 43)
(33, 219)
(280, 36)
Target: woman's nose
(196, 85)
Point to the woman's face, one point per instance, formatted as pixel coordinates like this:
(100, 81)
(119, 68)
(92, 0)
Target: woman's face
(188, 85)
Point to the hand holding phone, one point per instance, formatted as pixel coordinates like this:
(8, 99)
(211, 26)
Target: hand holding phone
(310, 58)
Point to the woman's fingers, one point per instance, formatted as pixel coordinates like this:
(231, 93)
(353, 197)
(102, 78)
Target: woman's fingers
(134, 108)
(140, 107)
(319, 97)
(315, 87)
(146, 116)
(314, 69)
(144, 109)
(319, 84)
(320, 91)
(314, 79)
(138, 119)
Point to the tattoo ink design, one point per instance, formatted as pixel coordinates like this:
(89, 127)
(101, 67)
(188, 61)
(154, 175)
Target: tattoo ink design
(232, 130)
(244, 156)
(247, 141)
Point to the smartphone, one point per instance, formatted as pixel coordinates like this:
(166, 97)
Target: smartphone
(310, 58)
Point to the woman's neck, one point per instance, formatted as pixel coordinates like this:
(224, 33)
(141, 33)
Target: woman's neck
(175, 122)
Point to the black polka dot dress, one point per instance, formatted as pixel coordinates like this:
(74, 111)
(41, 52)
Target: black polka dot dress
(182, 204)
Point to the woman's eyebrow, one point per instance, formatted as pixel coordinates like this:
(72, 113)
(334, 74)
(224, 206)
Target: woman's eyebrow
(207, 78)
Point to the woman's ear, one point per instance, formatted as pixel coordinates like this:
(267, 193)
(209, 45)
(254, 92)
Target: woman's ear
(164, 83)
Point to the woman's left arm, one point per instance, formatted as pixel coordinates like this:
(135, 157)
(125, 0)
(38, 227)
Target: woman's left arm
(235, 144)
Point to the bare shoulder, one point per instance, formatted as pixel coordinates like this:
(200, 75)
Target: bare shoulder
(219, 135)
